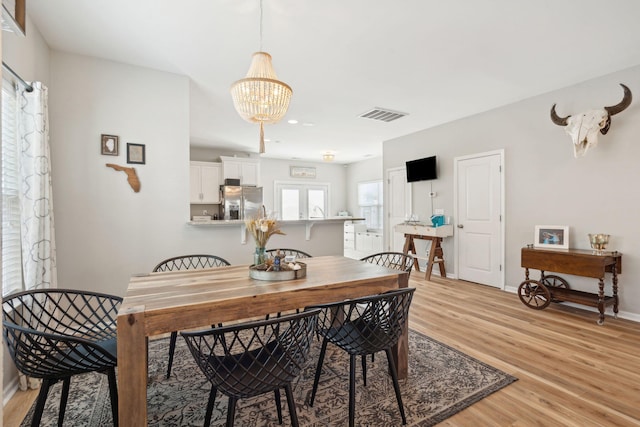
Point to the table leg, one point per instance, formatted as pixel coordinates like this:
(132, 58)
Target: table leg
(615, 290)
(132, 368)
(401, 350)
(601, 300)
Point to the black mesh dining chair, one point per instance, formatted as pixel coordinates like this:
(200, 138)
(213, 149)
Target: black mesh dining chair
(55, 334)
(186, 262)
(395, 260)
(191, 262)
(253, 358)
(284, 252)
(360, 327)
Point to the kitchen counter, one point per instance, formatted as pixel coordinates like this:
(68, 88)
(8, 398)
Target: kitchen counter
(308, 223)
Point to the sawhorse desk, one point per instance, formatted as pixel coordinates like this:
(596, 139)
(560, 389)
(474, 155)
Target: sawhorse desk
(426, 232)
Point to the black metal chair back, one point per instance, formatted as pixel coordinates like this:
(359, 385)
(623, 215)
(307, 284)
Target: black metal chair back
(396, 260)
(191, 262)
(253, 358)
(54, 334)
(284, 252)
(186, 262)
(364, 326)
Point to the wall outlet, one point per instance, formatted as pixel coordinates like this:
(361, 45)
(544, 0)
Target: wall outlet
(438, 211)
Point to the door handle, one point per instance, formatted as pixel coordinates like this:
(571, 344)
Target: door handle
(460, 226)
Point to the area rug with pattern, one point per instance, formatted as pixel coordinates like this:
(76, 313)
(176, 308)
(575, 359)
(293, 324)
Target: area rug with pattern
(442, 381)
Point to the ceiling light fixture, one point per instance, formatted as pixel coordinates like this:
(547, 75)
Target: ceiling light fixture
(328, 156)
(260, 97)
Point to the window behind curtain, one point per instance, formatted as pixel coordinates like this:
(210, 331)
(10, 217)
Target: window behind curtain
(11, 253)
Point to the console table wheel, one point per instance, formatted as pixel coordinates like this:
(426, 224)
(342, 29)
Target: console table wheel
(600, 322)
(534, 294)
(552, 281)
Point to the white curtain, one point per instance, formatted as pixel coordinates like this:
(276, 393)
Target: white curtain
(37, 227)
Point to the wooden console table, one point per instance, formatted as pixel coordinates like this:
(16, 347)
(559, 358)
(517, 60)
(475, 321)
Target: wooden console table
(538, 294)
(425, 232)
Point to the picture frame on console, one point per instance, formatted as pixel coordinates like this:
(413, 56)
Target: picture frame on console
(551, 236)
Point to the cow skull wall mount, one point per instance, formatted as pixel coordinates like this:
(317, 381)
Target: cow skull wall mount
(584, 127)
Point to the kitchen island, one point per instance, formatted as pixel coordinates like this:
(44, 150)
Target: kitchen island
(308, 224)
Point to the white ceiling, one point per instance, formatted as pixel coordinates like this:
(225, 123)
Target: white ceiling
(438, 61)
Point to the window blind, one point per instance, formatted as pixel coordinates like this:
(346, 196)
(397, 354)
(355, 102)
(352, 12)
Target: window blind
(11, 252)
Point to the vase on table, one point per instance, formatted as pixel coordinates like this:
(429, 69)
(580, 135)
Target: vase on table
(260, 255)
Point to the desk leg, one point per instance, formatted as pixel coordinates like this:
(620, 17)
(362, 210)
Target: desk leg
(132, 368)
(432, 257)
(410, 247)
(615, 291)
(601, 301)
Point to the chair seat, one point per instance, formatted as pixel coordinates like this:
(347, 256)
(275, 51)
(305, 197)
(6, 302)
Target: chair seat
(110, 346)
(89, 358)
(358, 337)
(252, 373)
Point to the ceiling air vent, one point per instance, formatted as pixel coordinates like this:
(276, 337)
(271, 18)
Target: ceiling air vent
(382, 115)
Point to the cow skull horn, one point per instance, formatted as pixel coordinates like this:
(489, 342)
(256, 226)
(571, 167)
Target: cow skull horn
(626, 101)
(583, 128)
(560, 121)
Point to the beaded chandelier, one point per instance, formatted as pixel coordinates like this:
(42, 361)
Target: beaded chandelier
(260, 97)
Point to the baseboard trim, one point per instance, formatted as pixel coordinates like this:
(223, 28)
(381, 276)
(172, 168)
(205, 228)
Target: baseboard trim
(9, 391)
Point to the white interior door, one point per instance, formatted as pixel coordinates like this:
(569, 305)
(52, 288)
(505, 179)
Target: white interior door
(398, 203)
(479, 211)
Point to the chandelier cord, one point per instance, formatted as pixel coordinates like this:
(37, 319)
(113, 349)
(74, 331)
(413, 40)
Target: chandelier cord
(260, 25)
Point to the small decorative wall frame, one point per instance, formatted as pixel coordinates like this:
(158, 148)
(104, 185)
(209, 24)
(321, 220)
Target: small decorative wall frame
(551, 236)
(109, 145)
(135, 153)
(302, 172)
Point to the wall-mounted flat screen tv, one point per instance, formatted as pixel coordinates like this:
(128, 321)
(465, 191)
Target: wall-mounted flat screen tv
(422, 169)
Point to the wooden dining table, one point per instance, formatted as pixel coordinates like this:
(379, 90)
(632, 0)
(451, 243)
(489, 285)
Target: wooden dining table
(158, 303)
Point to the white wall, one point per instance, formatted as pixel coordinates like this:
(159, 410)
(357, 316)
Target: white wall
(105, 231)
(333, 174)
(545, 184)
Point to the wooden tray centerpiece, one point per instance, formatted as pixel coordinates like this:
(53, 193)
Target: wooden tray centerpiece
(288, 271)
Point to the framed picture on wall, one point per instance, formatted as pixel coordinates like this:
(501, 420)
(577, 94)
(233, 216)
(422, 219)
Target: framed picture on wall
(109, 145)
(551, 236)
(135, 153)
(302, 172)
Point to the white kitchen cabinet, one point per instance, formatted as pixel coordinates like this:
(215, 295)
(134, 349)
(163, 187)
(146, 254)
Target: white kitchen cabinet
(350, 231)
(368, 243)
(246, 170)
(204, 183)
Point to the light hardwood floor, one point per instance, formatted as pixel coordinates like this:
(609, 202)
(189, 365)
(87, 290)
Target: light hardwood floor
(571, 372)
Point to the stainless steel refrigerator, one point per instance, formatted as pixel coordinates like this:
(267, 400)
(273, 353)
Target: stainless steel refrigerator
(241, 202)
